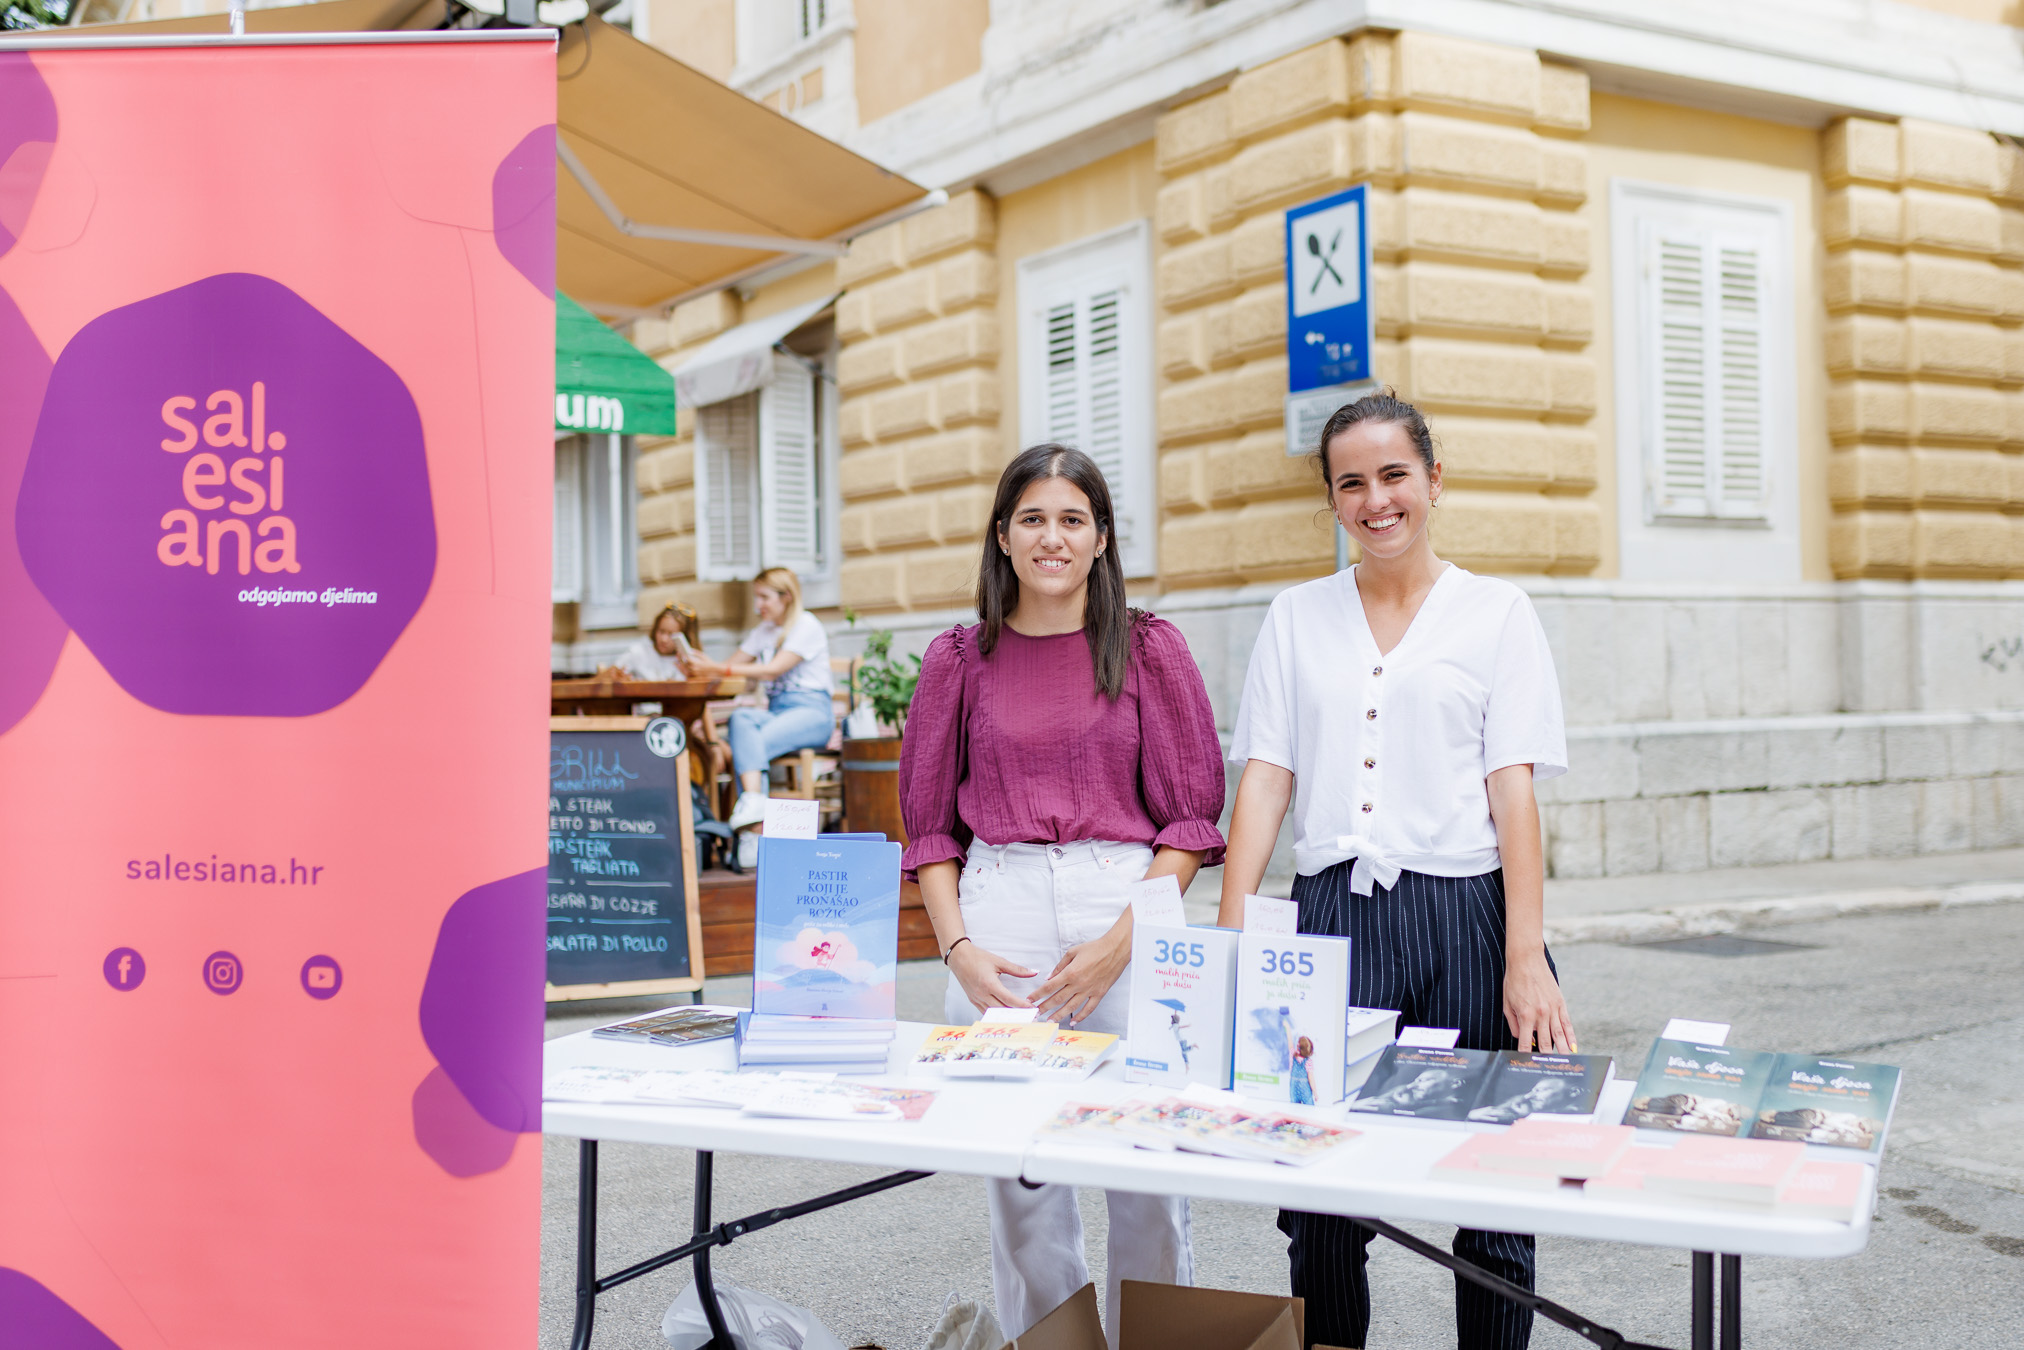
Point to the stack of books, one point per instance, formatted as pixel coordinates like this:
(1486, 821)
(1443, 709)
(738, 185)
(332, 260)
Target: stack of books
(1755, 1174)
(1365, 1035)
(832, 1044)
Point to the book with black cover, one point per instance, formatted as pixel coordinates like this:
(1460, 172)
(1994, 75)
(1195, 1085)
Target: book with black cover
(1425, 1083)
(1494, 1087)
(1701, 1089)
(1524, 1084)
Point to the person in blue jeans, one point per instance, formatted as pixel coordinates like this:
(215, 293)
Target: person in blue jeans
(789, 651)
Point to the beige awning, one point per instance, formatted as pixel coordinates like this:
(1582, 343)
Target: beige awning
(670, 184)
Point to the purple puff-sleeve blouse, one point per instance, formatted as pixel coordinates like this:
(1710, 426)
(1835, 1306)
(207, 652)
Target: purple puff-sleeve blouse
(1019, 747)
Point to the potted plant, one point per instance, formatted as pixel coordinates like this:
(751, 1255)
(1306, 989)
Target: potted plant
(882, 689)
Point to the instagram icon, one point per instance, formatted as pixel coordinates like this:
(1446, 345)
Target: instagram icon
(222, 972)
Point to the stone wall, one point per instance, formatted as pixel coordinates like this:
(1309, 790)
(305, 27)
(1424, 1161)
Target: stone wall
(1924, 280)
(1482, 316)
(919, 384)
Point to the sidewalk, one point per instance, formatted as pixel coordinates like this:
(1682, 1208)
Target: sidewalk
(1680, 904)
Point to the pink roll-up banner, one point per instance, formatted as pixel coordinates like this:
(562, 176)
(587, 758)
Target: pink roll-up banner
(276, 372)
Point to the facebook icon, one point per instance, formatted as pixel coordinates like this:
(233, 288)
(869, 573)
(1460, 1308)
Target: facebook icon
(124, 969)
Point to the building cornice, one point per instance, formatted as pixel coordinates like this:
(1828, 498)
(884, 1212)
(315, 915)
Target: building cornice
(1800, 61)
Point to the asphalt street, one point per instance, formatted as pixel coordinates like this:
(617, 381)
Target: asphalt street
(1936, 992)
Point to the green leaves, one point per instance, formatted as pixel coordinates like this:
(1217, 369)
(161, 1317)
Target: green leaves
(887, 682)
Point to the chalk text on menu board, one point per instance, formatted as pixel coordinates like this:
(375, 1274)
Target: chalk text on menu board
(615, 906)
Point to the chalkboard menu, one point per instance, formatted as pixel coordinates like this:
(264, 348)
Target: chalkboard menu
(621, 859)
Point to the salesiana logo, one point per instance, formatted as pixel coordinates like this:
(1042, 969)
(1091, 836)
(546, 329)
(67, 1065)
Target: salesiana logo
(247, 526)
(227, 498)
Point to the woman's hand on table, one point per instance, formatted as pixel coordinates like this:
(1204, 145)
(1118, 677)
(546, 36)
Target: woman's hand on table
(1084, 975)
(977, 971)
(1534, 1007)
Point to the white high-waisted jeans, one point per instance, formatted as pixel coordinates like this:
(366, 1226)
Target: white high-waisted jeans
(1030, 903)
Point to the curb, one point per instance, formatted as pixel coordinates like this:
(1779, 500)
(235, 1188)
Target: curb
(1653, 925)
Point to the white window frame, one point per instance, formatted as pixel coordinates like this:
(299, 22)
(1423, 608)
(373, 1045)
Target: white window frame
(595, 488)
(1120, 258)
(1663, 538)
(819, 582)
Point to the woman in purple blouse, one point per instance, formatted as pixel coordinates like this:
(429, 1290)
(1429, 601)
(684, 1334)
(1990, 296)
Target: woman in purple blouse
(1055, 752)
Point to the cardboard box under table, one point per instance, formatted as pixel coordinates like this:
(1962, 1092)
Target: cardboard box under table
(1167, 1317)
(986, 1127)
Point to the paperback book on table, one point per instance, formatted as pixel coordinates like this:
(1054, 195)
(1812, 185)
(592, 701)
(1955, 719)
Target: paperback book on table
(1754, 1094)
(1292, 990)
(1183, 1005)
(674, 1026)
(1483, 1087)
(826, 927)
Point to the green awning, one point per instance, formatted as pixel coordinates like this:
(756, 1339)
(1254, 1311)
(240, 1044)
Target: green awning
(603, 382)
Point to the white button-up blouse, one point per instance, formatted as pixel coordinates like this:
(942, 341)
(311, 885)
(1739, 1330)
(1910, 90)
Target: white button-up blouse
(1389, 751)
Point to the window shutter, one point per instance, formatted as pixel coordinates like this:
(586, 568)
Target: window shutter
(1679, 398)
(730, 453)
(566, 563)
(1089, 384)
(1740, 490)
(789, 490)
(1705, 367)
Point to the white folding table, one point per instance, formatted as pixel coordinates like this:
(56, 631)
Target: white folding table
(984, 1127)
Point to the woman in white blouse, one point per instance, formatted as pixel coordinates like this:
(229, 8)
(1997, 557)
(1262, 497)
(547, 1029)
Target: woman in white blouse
(1402, 708)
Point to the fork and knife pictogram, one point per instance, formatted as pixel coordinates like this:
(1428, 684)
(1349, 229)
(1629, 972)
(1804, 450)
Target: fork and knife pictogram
(1325, 259)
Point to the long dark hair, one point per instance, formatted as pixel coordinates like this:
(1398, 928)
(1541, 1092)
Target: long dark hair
(1106, 619)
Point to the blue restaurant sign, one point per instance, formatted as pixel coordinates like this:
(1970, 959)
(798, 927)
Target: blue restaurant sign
(1330, 322)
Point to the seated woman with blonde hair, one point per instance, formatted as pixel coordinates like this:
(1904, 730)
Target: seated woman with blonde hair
(789, 650)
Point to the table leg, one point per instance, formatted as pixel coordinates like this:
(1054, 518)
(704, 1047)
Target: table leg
(1703, 1319)
(706, 1288)
(1732, 1302)
(586, 1243)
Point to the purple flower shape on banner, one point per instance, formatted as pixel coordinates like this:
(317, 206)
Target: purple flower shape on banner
(35, 1319)
(27, 133)
(523, 208)
(227, 499)
(482, 1003)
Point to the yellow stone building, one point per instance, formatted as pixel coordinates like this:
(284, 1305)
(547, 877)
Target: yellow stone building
(1719, 320)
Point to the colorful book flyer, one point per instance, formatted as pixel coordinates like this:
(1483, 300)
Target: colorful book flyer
(1000, 1050)
(936, 1047)
(1292, 989)
(1183, 999)
(1073, 1054)
(826, 942)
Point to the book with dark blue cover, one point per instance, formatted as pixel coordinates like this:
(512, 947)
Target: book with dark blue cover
(827, 927)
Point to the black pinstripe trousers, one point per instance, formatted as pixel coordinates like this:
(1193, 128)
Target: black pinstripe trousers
(1432, 947)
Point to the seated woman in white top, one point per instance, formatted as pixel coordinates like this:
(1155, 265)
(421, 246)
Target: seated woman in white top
(790, 649)
(657, 656)
(1402, 708)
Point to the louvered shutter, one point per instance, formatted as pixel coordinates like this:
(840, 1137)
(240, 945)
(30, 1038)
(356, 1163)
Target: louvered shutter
(1705, 403)
(1089, 382)
(789, 487)
(729, 459)
(566, 562)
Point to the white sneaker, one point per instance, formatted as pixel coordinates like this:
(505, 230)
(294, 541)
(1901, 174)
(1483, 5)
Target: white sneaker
(748, 850)
(749, 809)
